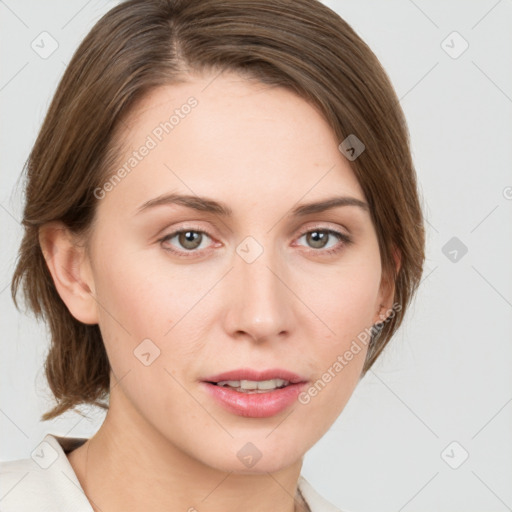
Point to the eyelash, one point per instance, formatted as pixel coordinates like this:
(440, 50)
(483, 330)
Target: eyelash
(344, 239)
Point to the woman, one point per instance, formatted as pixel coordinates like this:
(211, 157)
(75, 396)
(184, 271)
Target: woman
(223, 232)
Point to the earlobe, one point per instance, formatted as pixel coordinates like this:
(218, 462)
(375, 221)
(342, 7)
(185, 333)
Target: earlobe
(69, 266)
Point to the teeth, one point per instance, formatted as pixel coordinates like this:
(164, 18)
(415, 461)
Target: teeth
(252, 385)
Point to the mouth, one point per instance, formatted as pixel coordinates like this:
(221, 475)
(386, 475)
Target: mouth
(255, 394)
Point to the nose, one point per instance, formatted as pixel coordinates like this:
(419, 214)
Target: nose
(260, 305)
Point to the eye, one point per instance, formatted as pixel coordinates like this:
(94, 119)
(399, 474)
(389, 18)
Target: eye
(187, 240)
(319, 238)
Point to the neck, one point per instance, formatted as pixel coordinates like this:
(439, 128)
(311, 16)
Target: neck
(137, 469)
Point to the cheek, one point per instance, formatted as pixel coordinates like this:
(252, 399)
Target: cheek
(346, 306)
(138, 314)
(143, 301)
(130, 309)
(347, 299)
(346, 302)
(133, 293)
(129, 302)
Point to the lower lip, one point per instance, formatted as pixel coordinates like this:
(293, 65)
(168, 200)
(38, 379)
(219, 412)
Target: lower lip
(255, 405)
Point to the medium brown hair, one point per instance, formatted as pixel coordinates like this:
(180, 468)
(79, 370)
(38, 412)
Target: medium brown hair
(142, 44)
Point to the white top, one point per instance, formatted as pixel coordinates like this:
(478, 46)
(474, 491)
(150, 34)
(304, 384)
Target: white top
(46, 482)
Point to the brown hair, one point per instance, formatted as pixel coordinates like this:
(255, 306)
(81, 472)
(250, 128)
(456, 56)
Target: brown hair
(141, 44)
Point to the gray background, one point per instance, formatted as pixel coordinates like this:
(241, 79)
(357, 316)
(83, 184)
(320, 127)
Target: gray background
(446, 375)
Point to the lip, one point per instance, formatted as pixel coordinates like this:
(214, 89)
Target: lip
(250, 374)
(255, 405)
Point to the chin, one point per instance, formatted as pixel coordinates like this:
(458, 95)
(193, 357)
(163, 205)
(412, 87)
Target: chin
(256, 457)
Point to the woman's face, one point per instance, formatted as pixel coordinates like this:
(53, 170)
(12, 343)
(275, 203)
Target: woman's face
(261, 287)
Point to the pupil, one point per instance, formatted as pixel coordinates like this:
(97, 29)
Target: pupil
(319, 238)
(189, 239)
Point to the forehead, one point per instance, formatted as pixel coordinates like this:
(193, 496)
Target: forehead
(231, 138)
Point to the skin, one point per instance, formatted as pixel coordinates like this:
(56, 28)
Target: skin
(165, 444)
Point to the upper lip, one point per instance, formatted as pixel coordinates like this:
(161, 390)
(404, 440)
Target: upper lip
(255, 375)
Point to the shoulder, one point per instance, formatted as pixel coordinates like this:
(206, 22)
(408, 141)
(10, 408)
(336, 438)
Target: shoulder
(45, 481)
(315, 501)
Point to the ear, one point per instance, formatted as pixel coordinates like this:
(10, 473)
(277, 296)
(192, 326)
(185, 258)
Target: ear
(70, 268)
(387, 291)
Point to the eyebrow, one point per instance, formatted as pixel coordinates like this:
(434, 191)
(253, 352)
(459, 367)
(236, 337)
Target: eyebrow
(206, 204)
